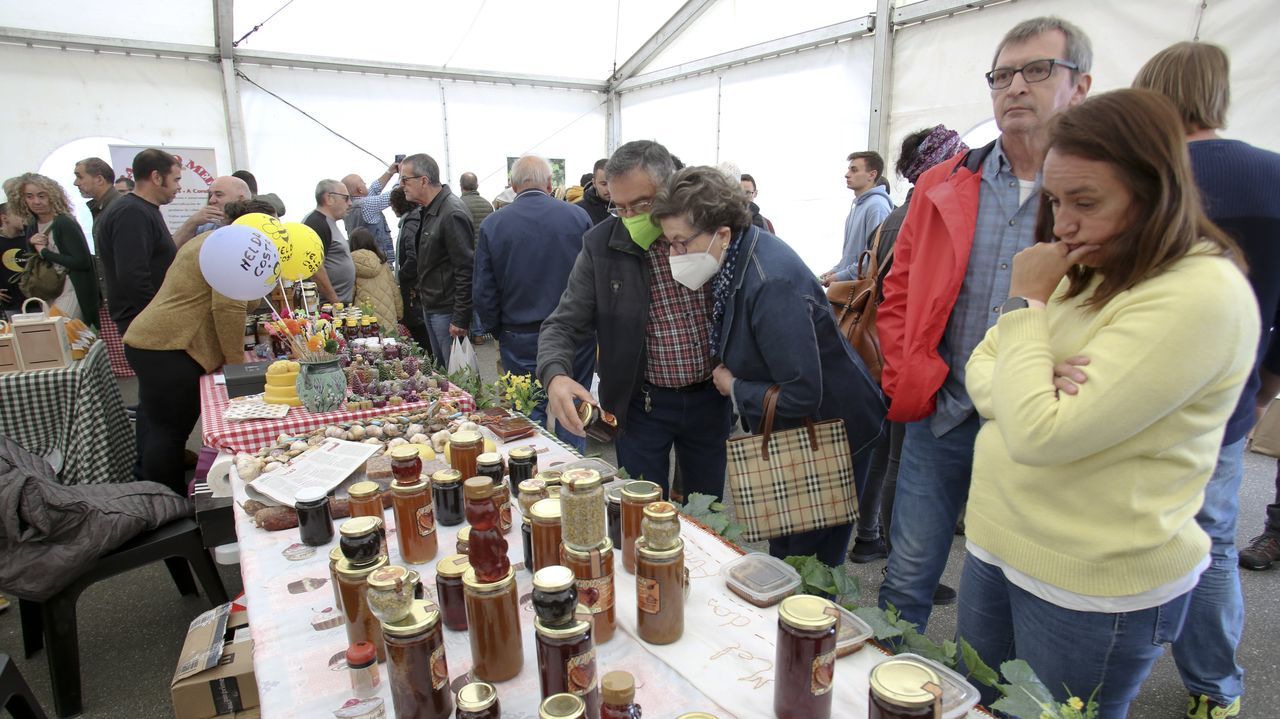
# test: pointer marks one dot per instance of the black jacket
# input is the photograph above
(597, 207)
(445, 254)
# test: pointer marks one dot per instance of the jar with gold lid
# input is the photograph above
(660, 587)
(462, 543)
(582, 507)
(567, 662)
(530, 492)
(365, 499)
(598, 423)
(636, 495)
(362, 539)
(522, 464)
(446, 490)
(453, 607)
(660, 526)
(390, 593)
(493, 618)
(562, 706)
(593, 573)
(545, 515)
(417, 666)
(464, 449)
(805, 658)
(415, 521)
(618, 696)
(478, 700)
(406, 464)
(489, 464)
(903, 689)
(353, 585)
(551, 477)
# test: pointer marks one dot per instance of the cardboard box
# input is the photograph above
(246, 379)
(215, 677)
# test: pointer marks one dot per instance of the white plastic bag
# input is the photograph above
(463, 356)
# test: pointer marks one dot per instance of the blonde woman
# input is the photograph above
(54, 234)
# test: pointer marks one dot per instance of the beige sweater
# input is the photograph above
(186, 314)
(376, 285)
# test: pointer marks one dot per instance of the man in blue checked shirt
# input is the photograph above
(367, 206)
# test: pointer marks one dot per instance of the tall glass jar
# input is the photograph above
(903, 689)
(478, 700)
(546, 532)
(531, 491)
(417, 667)
(806, 658)
(567, 662)
(493, 618)
(446, 489)
(453, 606)
(406, 464)
(613, 512)
(365, 499)
(583, 509)
(362, 625)
(464, 449)
(660, 526)
(415, 521)
(488, 548)
(522, 464)
(660, 593)
(635, 497)
(593, 571)
(335, 556)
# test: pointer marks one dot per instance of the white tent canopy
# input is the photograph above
(783, 90)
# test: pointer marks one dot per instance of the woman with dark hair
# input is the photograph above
(375, 285)
(771, 325)
(1106, 385)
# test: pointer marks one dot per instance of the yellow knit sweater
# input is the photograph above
(1097, 493)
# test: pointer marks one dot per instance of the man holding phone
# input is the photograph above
(368, 205)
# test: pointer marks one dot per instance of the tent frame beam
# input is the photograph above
(224, 31)
(881, 80)
(679, 21)
(927, 10)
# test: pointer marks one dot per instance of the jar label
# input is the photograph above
(648, 595)
(426, 520)
(440, 670)
(824, 668)
(580, 671)
(504, 516)
(596, 594)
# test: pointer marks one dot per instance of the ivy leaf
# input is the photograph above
(1018, 704)
(717, 506)
(697, 504)
(817, 575)
(846, 585)
(920, 644)
(978, 670)
(798, 562)
(733, 532)
(950, 649)
(879, 621)
(1021, 675)
(716, 521)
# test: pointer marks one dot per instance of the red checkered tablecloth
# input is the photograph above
(110, 336)
(251, 435)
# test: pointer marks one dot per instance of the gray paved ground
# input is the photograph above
(131, 627)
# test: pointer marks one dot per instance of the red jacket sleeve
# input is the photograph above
(891, 316)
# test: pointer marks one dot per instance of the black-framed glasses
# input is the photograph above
(406, 178)
(638, 208)
(339, 194)
(1034, 71)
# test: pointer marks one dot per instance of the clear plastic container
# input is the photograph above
(761, 579)
(852, 633)
(607, 471)
(958, 695)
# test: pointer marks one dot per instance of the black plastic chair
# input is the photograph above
(52, 623)
(15, 696)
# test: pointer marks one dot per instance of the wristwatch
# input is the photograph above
(1012, 304)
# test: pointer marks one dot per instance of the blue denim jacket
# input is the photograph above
(779, 329)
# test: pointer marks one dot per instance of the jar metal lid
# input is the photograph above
(906, 683)
(605, 548)
(359, 526)
(575, 628)
(697, 715)
(660, 510)
(454, 565)
(347, 569)
(418, 486)
(648, 553)
(554, 578)
(522, 453)
(389, 577)
(550, 476)
(464, 534)
(561, 706)
(805, 611)
(477, 488)
(422, 617)
(336, 554)
(580, 480)
(546, 510)
(310, 495)
(477, 696)
(465, 438)
(586, 413)
(404, 452)
(446, 476)
(470, 581)
(361, 490)
(641, 491)
(618, 687)
(532, 486)
(487, 458)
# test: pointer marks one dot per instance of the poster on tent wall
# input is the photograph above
(198, 170)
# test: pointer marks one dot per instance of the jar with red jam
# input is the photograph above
(488, 548)
(593, 572)
(903, 689)
(453, 606)
(415, 521)
(465, 448)
(493, 618)
(416, 664)
(635, 497)
(406, 464)
(545, 515)
(365, 499)
(805, 660)
(478, 700)
(567, 662)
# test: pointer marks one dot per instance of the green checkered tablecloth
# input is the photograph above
(77, 410)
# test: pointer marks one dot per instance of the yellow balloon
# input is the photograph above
(307, 253)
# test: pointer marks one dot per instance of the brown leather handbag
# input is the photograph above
(854, 303)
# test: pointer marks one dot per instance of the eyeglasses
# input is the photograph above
(638, 208)
(1034, 71)
(680, 247)
(339, 194)
(406, 178)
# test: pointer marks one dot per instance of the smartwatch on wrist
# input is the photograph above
(1012, 304)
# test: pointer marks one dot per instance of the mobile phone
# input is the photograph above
(399, 158)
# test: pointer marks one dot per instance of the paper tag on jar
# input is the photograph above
(648, 595)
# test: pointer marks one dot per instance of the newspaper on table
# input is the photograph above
(326, 466)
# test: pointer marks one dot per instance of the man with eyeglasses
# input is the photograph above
(749, 186)
(949, 281)
(336, 279)
(653, 332)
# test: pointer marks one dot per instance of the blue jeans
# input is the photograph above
(697, 423)
(1070, 651)
(519, 352)
(438, 332)
(933, 484)
(1206, 651)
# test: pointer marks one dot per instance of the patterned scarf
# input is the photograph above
(721, 289)
(939, 145)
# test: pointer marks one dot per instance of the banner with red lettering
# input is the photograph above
(198, 170)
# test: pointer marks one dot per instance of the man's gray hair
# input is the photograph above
(646, 155)
(324, 187)
(1079, 51)
(530, 171)
(423, 166)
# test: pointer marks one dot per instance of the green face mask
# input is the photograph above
(642, 231)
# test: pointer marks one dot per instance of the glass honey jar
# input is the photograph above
(406, 464)
(805, 659)
(903, 689)
(545, 514)
(416, 664)
(635, 497)
(365, 499)
(493, 620)
(660, 586)
(415, 521)
(593, 572)
(464, 449)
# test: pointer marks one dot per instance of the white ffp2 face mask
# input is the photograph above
(693, 271)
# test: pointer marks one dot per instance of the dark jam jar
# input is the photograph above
(567, 663)
(446, 490)
(555, 596)
(406, 465)
(522, 464)
(361, 541)
(493, 618)
(478, 700)
(618, 696)
(489, 464)
(903, 689)
(315, 524)
(488, 548)
(562, 706)
(805, 661)
(453, 604)
(613, 510)
(599, 424)
(416, 665)
(593, 574)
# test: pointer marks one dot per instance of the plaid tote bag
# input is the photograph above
(794, 480)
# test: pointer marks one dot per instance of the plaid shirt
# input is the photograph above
(677, 338)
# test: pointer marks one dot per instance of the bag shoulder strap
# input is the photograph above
(869, 262)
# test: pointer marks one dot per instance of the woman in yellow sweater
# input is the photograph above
(1106, 386)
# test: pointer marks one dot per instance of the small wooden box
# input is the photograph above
(41, 340)
(10, 361)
